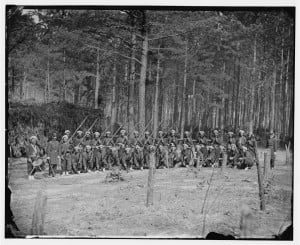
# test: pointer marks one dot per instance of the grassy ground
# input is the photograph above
(83, 205)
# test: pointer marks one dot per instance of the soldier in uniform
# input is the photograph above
(161, 156)
(87, 159)
(272, 147)
(138, 157)
(174, 156)
(187, 139)
(241, 142)
(173, 138)
(233, 155)
(126, 160)
(65, 151)
(95, 143)
(186, 155)
(122, 142)
(32, 153)
(216, 141)
(88, 139)
(108, 154)
(78, 139)
(231, 139)
(147, 142)
(160, 140)
(53, 153)
(77, 159)
(135, 139)
(251, 142)
(202, 141)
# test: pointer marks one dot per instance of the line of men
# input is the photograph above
(90, 152)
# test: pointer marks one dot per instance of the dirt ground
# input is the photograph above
(83, 205)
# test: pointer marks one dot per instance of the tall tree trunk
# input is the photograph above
(64, 76)
(184, 90)
(114, 95)
(273, 90)
(252, 89)
(23, 85)
(97, 85)
(155, 112)
(237, 95)
(48, 78)
(286, 94)
(131, 83)
(176, 101)
(142, 84)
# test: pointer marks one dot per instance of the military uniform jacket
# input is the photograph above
(147, 141)
(231, 140)
(202, 140)
(65, 149)
(77, 140)
(272, 145)
(135, 141)
(53, 151)
(188, 141)
(173, 139)
(122, 140)
(161, 141)
(216, 140)
(32, 151)
(108, 141)
(241, 142)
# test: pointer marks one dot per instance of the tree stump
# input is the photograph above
(150, 179)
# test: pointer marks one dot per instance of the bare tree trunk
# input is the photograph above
(286, 94)
(48, 78)
(142, 84)
(23, 85)
(184, 90)
(64, 77)
(273, 89)
(131, 84)
(114, 104)
(97, 85)
(252, 90)
(155, 112)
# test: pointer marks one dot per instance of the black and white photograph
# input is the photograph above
(149, 122)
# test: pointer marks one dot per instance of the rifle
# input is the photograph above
(102, 134)
(88, 130)
(116, 133)
(77, 128)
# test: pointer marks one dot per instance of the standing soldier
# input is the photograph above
(173, 138)
(217, 143)
(108, 143)
(53, 154)
(202, 141)
(147, 142)
(122, 142)
(77, 159)
(95, 143)
(32, 153)
(187, 139)
(87, 159)
(241, 141)
(78, 138)
(65, 151)
(231, 139)
(87, 140)
(272, 147)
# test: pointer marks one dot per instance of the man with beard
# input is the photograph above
(53, 155)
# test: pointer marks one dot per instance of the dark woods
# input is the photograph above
(186, 70)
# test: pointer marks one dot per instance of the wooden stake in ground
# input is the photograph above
(151, 178)
(266, 167)
(38, 218)
(260, 185)
(224, 161)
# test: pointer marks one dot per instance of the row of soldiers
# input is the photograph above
(94, 152)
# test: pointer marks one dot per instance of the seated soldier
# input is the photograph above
(174, 156)
(233, 155)
(126, 159)
(186, 156)
(138, 157)
(160, 140)
(211, 156)
(161, 157)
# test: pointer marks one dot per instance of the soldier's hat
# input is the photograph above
(147, 132)
(160, 131)
(185, 145)
(79, 132)
(97, 134)
(241, 131)
(135, 132)
(127, 149)
(201, 132)
(65, 137)
(230, 133)
(33, 137)
(172, 145)
(88, 147)
(107, 132)
(244, 148)
(173, 131)
(87, 133)
(216, 131)
(54, 135)
(67, 131)
(77, 147)
(123, 131)
(186, 132)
